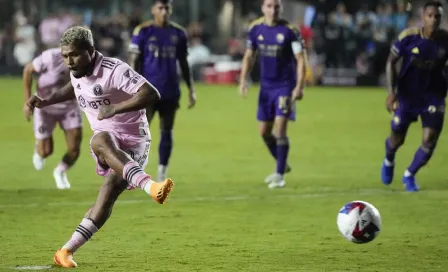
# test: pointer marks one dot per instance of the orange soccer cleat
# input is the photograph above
(63, 257)
(161, 190)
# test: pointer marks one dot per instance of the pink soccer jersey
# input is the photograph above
(111, 82)
(53, 75)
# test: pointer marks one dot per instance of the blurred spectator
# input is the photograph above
(25, 43)
(198, 56)
(401, 17)
(307, 35)
(341, 17)
(333, 41)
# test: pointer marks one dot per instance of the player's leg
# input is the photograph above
(400, 123)
(94, 219)
(43, 149)
(283, 114)
(282, 143)
(106, 148)
(432, 123)
(167, 113)
(71, 123)
(73, 139)
(43, 125)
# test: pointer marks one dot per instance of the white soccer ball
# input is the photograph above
(359, 222)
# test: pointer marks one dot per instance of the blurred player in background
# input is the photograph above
(114, 97)
(53, 75)
(417, 90)
(155, 49)
(282, 63)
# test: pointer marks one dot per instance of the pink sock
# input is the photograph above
(62, 167)
(82, 234)
(133, 173)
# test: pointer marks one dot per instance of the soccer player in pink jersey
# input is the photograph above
(113, 97)
(53, 74)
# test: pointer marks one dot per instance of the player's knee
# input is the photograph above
(397, 140)
(102, 143)
(45, 151)
(74, 151)
(429, 145)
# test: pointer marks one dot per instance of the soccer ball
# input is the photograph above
(359, 222)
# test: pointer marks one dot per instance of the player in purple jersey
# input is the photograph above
(113, 97)
(52, 75)
(156, 48)
(417, 90)
(282, 64)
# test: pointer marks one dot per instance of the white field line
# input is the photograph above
(271, 195)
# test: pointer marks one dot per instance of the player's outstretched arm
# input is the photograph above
(144, 97)
(27, 77)
(391, 75)
(245, 70)
(66, 93)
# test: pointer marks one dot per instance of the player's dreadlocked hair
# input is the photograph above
(78, 36)
(434, 4)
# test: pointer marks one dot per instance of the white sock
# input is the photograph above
(147, 186)
(388, 163)
(407, 173)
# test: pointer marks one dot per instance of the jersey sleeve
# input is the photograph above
(251, 42)
(137, 41)
(182, 45)
(399, 45)
(125, 79)
(41, 62)
(296, 40)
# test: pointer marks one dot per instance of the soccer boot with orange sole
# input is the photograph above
(161, 190)
(63, 257)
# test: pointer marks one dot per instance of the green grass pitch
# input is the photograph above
(221, 216)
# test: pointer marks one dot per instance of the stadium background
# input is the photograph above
(221, 216)
(348, 40)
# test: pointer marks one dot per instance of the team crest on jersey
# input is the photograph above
(174, 38)
(280, 38)
(153, 38)
(432, 109)
(260, 37)
(396, 120)
(97, 90)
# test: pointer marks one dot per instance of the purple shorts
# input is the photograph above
(45, 122)
(136, 146)
(275, 102)
(430, 110)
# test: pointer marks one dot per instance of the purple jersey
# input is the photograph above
(275, 45)
(159, 49)
(111, 82)
(53, 75)
(423, 72)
